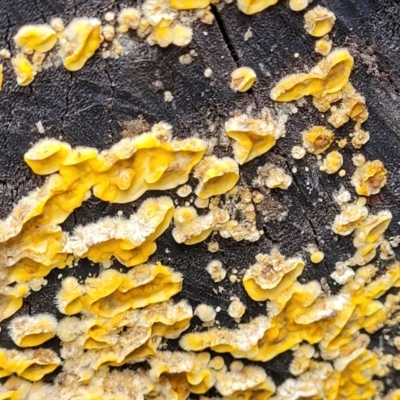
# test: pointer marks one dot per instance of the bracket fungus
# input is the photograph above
(271, 274)
(216, 176)
(369, 178)
(329, 76)
(79, 41)
(41, 38)
(319, 21)
(253, 137)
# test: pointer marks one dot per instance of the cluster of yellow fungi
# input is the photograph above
(121, 318)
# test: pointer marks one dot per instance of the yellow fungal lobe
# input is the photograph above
(250, 7)
(298, 5)
(323, 46)
(271, 274)
(205, 313)
(216, 176)
(236, 309)
(351, 216)
(79, 41)
(360, 137)
(316, 257)
(272, 177)
(216, 270)
(181, 35)
(29, 331)
(333, 162)
(159, 13)
(317, 139)
(161, 35)
(23, 69)
(253, 137)
(329, 76)
(319, 21)
(1, 76)
(41, 38)
(242, 79)
(370, 178)
(128, 18)
(189, 4)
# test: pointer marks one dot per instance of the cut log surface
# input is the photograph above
(89, 108)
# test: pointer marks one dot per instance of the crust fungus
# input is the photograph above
(272, 177)
(11, 299)
(271, 275)
(189, 4)
(242, 79)
(24, 70)
(298, 5)
(351, 216)
(317, 139)
(216, 176)
(79, 41)
(253, 137)
(332, 163)
(323, 46)
(30, 331)
(216, 270)
(32, 365)
(370, 178)
(236, 309)
(360, 137)
(329, 76)
(191, 228)
(128, 18)
(113, 292)
(41, 38)
(319, 21)
(250, 7)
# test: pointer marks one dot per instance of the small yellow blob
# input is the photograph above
(317, 139)
(79, 41)
(254, 6)
(161, 35)
(189, 4)
(319, 21)
(236, 309)
(41, 38)
(128, 18)
(298, 152)
(242, 79)
(369, 178)
(329, 76)
(323, 46)
(360, 137)
(216, 270)
(181, 35)
(23, 69)
(205, 313)
(317, 256)
(216, 176)
(333, 162)
(298, 5)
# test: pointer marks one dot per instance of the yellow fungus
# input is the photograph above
(23, 69)
(329, 76)
(108, 31)
(272, 177)
(161, 35)
(189, 4)
(333, 162)
(29, 331)
(57, 24)
(128, 18)
(250, 7)
(216, 176)
(370, 178)
(298, 5)
(159, 12)
(11, 299)
(41, 38)
(236, 309)
(253, 137)
(351, 216)
(205, 313)
(317, 257)
(1, 76)
(271, 274)
(317, 139)
(79, 41)
(216, 270)
(242, 79)
(323, 46)
(360, 137)
(181, 35)
(319, 21)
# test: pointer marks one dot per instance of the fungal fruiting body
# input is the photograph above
(319, 21)
(40, 38)
(250, 7)
(79, 41)
(253, 137)
(189, 4)
(317, 139)
(332, 163)
(323, 46)
(370, 178)
(242, 79)
(298, 5)
(30, 331)
(216, 176)
(329, 76)
(24, 70)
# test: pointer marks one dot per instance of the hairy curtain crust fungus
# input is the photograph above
(329, 76)
(298, 5)
(216, 176)
(24, 70)
(319, 21)
(253, 137)
(11, 299)
(250, 7)
(317, 139)
(370, 178)
(272, 273)
(79, 41)
(41, 38)
(30, 331)
(242, 79)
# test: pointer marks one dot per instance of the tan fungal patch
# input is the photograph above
(369, 178)
(319, 21)
(317, 139)
(242, 79)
